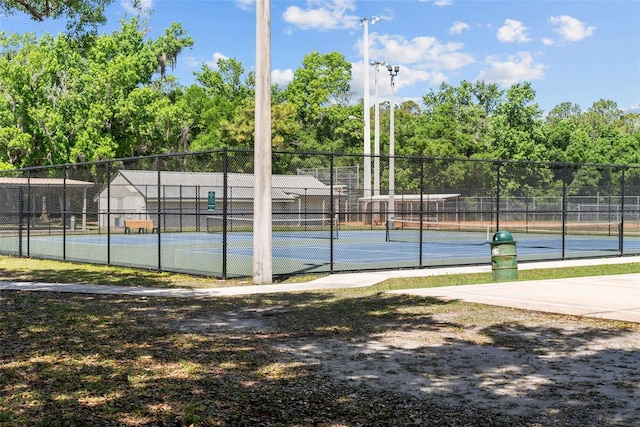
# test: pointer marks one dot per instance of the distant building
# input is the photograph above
(183, 199)
(40, 199)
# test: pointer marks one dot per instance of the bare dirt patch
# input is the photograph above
(344, 358)
(553, 370)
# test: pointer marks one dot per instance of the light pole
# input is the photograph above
(376, 127)
(367, 113)
(393, 72)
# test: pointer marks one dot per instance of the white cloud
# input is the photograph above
(191, 62)
(245, 4)
(570, 28)
(438, 2)
(213, 64)
(408, 76)
(634, 108)
(514, 69)
(281, 77)
(458, 27)
(512, 31)
(145, 6)
(422, 60)
(424, 51)
(322, 15)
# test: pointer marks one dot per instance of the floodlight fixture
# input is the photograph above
(393, 72)
(393, 68)
(370, 20)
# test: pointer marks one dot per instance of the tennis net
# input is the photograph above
(404, 230)
(321, 227)
(415, 231)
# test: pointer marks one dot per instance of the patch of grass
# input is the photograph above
(107, 360)
(39, 270)
(535, 274)
(50, 271)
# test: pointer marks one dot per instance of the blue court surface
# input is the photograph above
(368, 246)
(352, 250)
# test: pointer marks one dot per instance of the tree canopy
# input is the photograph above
(80, 15)
(115, 97)
(59, 104)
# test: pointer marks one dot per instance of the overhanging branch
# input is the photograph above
(31, 10)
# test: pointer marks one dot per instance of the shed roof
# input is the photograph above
(239, 185)
(43, 182)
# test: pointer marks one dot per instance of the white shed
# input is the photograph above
(182, 198)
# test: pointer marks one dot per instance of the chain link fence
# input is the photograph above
(193, 212)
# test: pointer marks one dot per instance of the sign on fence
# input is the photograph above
(211, 201)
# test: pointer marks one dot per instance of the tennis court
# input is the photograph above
(325, 217)
(310, 251)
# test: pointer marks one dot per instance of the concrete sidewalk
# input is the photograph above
(612, 297)
(607, 297)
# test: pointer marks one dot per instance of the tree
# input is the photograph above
(602, 114)
(516, 126)
(218, 96)
(238, 131)
(459, 118)
(38, 98)
(80, 14)
(227, 82)
(117, 65)
(322, 80)
(169, 46)
(517, 134)
(335, 132)
(558, 139)
(562, 112)
(60, 104)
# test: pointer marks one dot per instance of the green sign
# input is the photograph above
(211, 202)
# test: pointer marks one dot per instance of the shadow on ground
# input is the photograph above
(307, 359)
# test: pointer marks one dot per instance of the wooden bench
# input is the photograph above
(140, 224)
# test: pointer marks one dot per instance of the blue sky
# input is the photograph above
(578, 51)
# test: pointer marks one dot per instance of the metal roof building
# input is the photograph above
(180, 198)
(47, 197)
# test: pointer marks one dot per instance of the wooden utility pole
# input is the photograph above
(262, 207)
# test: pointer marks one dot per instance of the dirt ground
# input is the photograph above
(540, 381)
(556, 370)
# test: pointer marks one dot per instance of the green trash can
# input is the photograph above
(504, 266)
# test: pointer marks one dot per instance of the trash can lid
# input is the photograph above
(503, 236)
